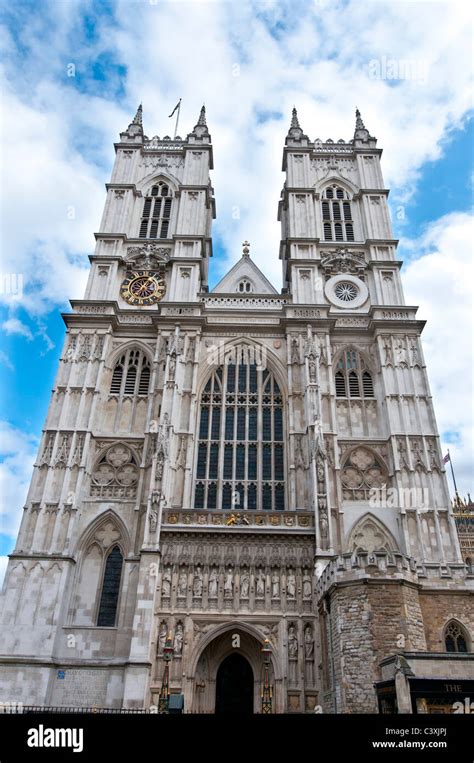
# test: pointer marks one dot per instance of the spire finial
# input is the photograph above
(202, 117)
(137, 119)
(294, 119)
(359, 122)
(245, 250)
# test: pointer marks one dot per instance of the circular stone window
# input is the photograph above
(346, 291)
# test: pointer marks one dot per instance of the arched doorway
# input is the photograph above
(234, 686)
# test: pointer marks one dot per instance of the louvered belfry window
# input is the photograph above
(240, 458)
(131, 374)
(352, 379)
(156, 212)
(337, 215)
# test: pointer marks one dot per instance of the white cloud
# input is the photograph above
(243, 60)
(440, 282)
(15, 326)
(5, 360)
(17, 453)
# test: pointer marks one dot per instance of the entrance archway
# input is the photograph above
(234, 686)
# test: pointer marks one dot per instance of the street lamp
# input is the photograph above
(164, 698)
(267, 691)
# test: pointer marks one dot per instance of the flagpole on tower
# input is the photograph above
(178, 109)
(452, 473)
(445, 460)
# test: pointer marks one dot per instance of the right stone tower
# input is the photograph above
(386, 510)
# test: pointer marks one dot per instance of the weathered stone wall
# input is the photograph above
(438, 607)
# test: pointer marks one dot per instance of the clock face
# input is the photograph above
(143, 288)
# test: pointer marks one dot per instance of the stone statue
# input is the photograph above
(229, 582)
(292, 643)
(307, 586)
(295, 351)
(291, 584)
(312, 369)
(197, 582)
(308, 642)
(162, 637)
(388, 352)
(213, 583)
(172, 367)
(244, 585)
(260, 583)
(178, 640)
(166, 582)
(276, 585)
(183, 584)
(401, 354)
(324, 525)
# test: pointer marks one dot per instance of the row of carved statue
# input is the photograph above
(227, 581)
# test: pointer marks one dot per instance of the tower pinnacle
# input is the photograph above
(137, 119)
(202, 118)
(361, 132)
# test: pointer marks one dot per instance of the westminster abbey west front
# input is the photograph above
(239, 502)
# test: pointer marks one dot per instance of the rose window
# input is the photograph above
(346, 291)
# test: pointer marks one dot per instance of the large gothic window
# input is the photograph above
(110, 589)
(336, 211)
(455, 637)
(352, 379)
(156, 212)
(240, 462)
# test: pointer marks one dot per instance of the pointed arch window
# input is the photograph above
(337, 215)
(240, 452)
(244, 286)
(156, 212)
(131, 374)
(455, 637)
(352, 379)
(109, 596)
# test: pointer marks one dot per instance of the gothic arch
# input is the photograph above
(332, 179)
(87, 539)
(206, 370)
(232, 627)
(134, 344)
(365, 356)
(458, 630)
(371, 532)
(144, 185)
(91, 553)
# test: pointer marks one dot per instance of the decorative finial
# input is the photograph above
(294, 119)
(359, 123)
(202, 117)
(245, 250)
(137, 120)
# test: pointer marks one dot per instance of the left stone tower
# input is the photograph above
(77, 603)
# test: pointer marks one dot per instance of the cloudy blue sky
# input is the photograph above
(404, 64)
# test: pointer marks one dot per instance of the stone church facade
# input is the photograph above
(227, 470)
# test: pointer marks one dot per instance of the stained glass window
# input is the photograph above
(110, 589)
(240, 461)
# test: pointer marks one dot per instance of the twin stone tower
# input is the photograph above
(230, 470)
